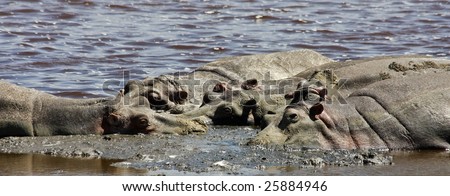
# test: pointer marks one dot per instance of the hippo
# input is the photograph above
(236, 107)
(225, 105)
(342, 78)
(410, 112)
(179, 93)
(352, 75)
(258, 104)
(28, 112)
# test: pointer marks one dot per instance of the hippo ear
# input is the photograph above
(289, 95)
(315, 110)
(302, 83)
(250, 103)
(179, 96)
(148, 81)
(221, 87)
(212, 98)
(133, 86)
(182, 95)
(119, 97)
(322, 93)
(206, 99)
(251, 84)
(296, 96)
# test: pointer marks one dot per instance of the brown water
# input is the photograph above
(81, 48)
(35, 164)
(428, 163)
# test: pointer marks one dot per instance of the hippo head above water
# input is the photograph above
(300, 124)
(29, 112)
(243, 104)
(163, 93)
(230, 107)
(304, 114)
(248, 104)
(135, 116)
(399, 113)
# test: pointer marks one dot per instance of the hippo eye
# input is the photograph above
(156, 99)
(155, 96)
(143, 122)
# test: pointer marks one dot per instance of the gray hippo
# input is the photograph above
(257, 102)
(398, 113)
(246, 105)
(236, 107)
(166, 92)
(28, 112)
(352, 75)
(342, 78)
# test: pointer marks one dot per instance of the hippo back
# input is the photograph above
(356, 74)
(415, 108)
(280, 64)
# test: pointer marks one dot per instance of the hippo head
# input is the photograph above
(301, 120)
(163, 93)
(225, 107)
(308, 92)
(299, 124)
(135, 116)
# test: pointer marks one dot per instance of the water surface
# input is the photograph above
(71, 47)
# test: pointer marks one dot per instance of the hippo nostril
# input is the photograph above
(293, 116)
(228, 110)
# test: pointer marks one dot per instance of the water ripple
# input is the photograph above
(102, 39)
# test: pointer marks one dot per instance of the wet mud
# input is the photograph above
(223, 151)
(417, 66)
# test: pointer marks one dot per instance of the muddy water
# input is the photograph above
(428, 163)
(35, 164)
(82, 48)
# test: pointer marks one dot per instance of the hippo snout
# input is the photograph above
(198, 127)
(173, 124)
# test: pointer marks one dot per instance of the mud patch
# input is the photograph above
(223, 151)
(385, 75)
(416, 66)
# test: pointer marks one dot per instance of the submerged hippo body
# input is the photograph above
(167, 92)
(28, 112)
(398, 113)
